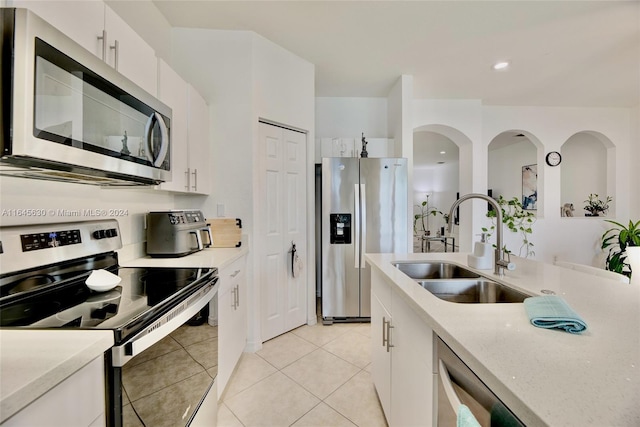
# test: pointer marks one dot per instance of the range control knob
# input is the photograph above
(99, 234)
(112, 232)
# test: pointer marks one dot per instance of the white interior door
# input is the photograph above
(283, 222)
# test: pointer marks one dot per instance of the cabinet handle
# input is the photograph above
(195, 179)
(233, 303)
(103, 38)
(187, 175)
(116, 50)
(237, 296)
(386, 333)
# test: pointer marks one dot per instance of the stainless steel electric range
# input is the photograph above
(164, 360)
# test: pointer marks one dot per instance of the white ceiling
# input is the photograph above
(563, 53)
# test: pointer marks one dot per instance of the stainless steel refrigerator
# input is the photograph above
(364, 209)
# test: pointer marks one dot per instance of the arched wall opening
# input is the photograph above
(442, 168)
(588, 167)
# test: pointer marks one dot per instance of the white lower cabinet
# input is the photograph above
(380, 354)
(232, 319)
(77, 401)
(402, 358)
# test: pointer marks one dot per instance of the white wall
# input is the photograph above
(224, 77)
(245, 77)
(571, 239)
(634, 210)
(56, 197)
(350, 117)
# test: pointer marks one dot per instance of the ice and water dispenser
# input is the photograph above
(340, 228)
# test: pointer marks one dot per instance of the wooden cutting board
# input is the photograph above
(225, 232)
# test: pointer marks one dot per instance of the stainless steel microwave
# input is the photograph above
(68, 116)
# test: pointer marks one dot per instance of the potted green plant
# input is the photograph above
(618, 239)
(595, 206)
(424, 211)
(517, 220)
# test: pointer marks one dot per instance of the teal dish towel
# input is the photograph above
(551, 311)
(465, 417)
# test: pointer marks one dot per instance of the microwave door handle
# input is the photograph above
(164, 138)
(148, 129)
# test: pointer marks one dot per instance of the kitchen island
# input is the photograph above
(546, 377)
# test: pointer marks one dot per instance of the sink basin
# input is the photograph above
(434, 270)
(473, 291)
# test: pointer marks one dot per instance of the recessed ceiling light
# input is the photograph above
(501, 65)
(443, 152)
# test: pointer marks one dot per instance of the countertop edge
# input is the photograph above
(33, 389)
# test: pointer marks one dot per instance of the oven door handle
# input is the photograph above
(139, 343)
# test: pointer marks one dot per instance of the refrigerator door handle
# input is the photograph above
(356, 210)
(363, 224)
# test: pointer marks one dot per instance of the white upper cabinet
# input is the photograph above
(87, 23)
(129, 53)
(352, 147)
(172, 90)
(82, 21)
(189, 133)
(199, 144)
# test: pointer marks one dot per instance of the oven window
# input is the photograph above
(164, 385)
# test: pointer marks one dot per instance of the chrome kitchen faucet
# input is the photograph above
(500, 262)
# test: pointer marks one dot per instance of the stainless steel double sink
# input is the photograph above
(453, 283)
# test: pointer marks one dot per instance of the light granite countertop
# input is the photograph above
(212, 257)
(546, 377)
(32, 362)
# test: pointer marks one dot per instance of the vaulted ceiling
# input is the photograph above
(562, 53)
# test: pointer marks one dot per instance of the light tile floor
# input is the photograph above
(312, 376)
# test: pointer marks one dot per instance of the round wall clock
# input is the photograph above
(554, 158)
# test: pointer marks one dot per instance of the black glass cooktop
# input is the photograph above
(57, 297)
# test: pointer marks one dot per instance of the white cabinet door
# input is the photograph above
(129, 53)
(380, 354)
(352, 147)
(82, 21)
(172, 90)
(232, 320)
(401, 358)
(282, 197)
(85, 21)
(411, 367)
(77, 401)
(199, 144)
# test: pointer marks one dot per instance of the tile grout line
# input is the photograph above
(316, 347)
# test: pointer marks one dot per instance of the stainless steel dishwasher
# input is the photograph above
(457, 384)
